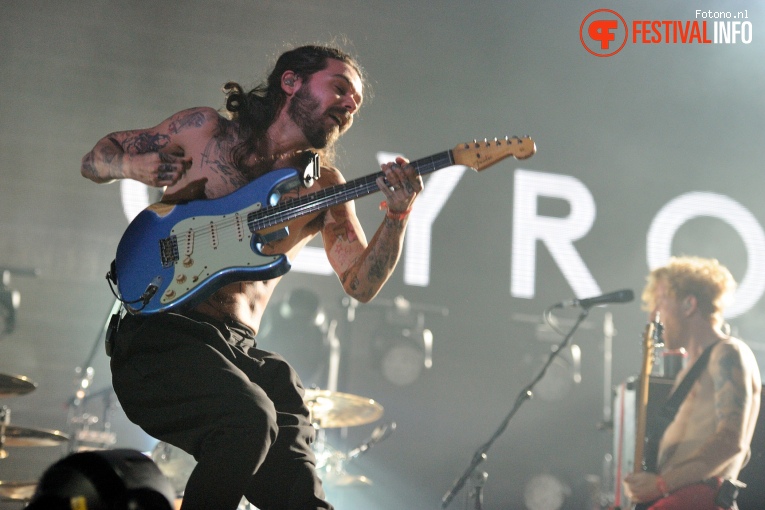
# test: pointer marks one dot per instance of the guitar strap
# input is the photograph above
(661, 420)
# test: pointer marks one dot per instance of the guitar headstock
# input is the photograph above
(482, 154)
(658, 331)
(651, 340)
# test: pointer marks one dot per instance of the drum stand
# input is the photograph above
(81, 436)
(476, 492)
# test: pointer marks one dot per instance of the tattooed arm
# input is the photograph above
(153, 156)
(736, 381)
(364, 268)
(712, 432)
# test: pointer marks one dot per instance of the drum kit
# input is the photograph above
(13, 436)
(328, 410)
(338, 410)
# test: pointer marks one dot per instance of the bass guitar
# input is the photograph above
(645, 458)
(173, 256)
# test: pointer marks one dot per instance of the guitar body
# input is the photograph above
(175, 256)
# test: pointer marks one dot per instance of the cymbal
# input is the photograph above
(330, 409)
(19, 436)
(11, 385)
(17, 491)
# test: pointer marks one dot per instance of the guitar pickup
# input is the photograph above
(168, 251)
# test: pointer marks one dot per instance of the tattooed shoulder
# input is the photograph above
(727, 361)
(191, 118)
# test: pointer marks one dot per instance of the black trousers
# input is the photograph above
(201, 385)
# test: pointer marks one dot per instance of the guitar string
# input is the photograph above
(271, 216)
(259, 220)
(291, 209)
(322, 199)
(423, 166)
(430, 164)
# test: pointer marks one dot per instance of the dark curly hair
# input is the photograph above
(256, 109)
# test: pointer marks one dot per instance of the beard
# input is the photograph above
(304, 112)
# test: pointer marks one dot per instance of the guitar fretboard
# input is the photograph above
(337, 194)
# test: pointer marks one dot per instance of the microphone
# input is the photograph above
(619, 296)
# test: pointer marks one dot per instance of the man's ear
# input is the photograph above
(290, 82)
(689, 304)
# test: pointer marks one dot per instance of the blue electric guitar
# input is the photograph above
(173, 256)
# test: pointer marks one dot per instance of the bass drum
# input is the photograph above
(177, 466)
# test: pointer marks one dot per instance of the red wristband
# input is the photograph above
(398, 216)
(662, 486)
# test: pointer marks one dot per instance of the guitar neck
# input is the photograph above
(641, 422)
(337, 194)
(651, 339)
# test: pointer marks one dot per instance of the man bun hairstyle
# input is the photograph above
(255, 110)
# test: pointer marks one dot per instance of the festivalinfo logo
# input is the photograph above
(604, 32)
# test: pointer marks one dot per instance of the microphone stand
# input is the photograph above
(525, 394)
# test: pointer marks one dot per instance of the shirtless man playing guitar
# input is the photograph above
(708, 440)
(194, 378)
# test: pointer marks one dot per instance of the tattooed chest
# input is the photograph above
(215, 164)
